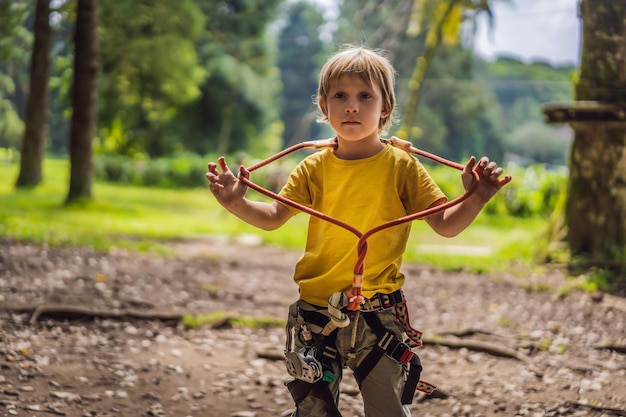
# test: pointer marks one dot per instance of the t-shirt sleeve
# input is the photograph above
(296, 188)
(420, 190)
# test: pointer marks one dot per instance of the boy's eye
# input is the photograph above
(340, 95)
(365, 95)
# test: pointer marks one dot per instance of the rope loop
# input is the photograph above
(355, 296)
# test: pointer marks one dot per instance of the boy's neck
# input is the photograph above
(351, 150)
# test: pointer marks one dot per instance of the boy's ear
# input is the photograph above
(322, 105)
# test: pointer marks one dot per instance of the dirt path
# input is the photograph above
(130, 367)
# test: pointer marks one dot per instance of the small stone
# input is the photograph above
(243, 414)
(67, 396)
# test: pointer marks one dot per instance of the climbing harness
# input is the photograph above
(311, 365)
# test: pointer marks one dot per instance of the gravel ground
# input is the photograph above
(84, 333)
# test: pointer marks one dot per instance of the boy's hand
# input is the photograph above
(489, 181)
(226, 187)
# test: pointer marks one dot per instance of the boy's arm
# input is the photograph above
(230, 193)
(455, 219)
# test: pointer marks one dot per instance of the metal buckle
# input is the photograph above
(405, 356)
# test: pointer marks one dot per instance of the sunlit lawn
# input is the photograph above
(141, 218)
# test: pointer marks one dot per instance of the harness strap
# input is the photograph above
(402, 314)
(318, 319)
(412, 380)
(393, 347)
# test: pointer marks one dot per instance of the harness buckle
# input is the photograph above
(402, 353)
(385, 302)
(395, 348)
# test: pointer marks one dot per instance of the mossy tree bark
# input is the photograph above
(83, 127)
(36, 116)
(596, 205)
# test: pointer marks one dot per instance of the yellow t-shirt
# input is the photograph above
(363, 193)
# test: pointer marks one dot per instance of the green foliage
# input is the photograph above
(204, 76)
(460, 104)
(238, 103)
(15, 43)
(183, 171)
(591, 281)
(149, 70)
(299, 59)
(14, 36)
(536, 142)
(533, 192)
(521, 88)
(11, 126)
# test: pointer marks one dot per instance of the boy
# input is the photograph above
(363, 182)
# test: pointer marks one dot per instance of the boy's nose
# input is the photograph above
(352, 108)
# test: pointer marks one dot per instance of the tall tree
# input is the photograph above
(83, 125)
(150, 71)
(596, 207)
(442, 22)
(239, 97)
(595, 211)
(36, 116)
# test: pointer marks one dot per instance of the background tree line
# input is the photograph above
(204, 76)
(147, 79)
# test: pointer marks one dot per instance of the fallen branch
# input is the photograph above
(484, 347)
(467, 333)
(478, 346)
(612, 346)
(609, 410)
(69, 312)
(272, 355)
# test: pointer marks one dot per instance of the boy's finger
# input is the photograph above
(223, 166)
(507, 179)
(244, 172)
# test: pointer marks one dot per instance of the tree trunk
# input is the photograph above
(36, 116)
(84, 115)
(596, 206)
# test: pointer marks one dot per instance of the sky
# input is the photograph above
(546, 30)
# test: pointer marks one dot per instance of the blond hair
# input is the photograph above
(372, 66)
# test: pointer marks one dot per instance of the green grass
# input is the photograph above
(141, 219)
(226, 318)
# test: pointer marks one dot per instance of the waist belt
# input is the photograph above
(380, 301)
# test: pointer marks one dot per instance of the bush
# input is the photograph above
(534, 190)
(184, 171)
(114, 168)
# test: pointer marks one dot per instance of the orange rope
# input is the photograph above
(355, 294)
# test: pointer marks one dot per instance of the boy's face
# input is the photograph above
(354, 108)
